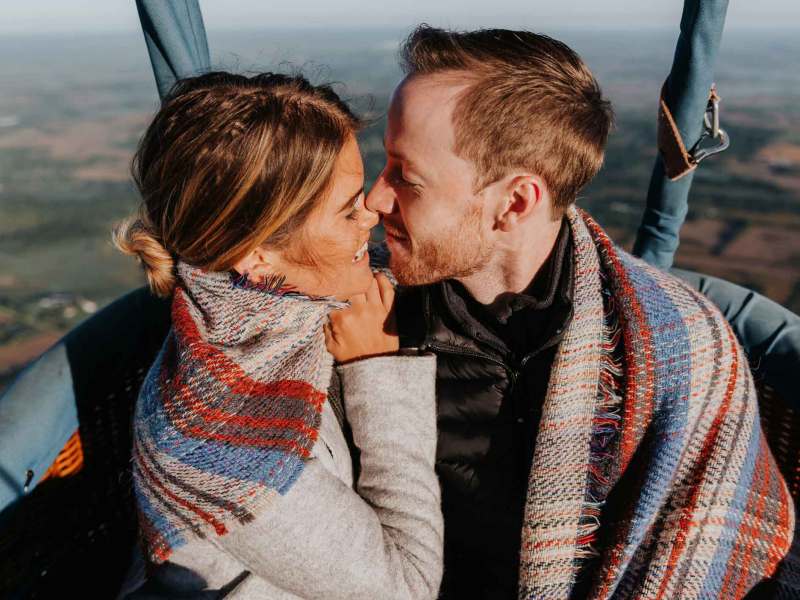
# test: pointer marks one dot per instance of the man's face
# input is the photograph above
(436, 227)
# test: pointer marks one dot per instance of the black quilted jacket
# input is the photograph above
(493, 367)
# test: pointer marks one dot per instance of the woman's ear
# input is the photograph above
(258, 264)
(524, 195)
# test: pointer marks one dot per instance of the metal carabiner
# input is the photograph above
(28, 480)
(711, 131)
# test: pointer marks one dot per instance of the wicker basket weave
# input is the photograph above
(72, 536)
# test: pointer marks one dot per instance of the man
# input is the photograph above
(598, 425)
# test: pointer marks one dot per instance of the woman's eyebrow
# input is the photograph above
(351, 200)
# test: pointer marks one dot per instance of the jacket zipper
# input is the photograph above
(513, 374)
(446, 348)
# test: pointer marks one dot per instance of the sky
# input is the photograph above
(77, 16)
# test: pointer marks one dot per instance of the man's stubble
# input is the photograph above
(458, 251)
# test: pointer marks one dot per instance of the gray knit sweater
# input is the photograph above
(379, 537)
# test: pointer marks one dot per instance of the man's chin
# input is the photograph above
(408, 272)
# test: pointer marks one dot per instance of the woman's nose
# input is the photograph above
(370, 219)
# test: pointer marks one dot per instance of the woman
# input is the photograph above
(253, 219)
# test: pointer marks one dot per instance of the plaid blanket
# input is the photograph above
(230, 410)
(684, 499)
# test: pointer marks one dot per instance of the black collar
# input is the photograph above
(513, 325)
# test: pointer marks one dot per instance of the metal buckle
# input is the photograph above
(712, 131)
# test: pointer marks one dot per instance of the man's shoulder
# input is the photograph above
(689, 338)
(660, 293)
(683, 341)
(650, 295)
(642, 275)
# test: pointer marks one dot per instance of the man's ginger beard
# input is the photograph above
(457, 251)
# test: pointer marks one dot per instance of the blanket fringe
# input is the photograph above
(605, 430)
(269, 284)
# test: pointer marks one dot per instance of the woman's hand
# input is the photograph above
(366, 328)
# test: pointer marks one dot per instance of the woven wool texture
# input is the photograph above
(230, 409)
(700, 509)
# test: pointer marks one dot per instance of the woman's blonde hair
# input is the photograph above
(230, 163)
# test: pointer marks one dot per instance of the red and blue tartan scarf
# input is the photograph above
(230, 409)
(651, 476)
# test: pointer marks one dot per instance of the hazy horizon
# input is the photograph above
(54, 16)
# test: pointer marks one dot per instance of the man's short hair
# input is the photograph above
(531, 104)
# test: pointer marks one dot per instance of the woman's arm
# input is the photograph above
(383, 540)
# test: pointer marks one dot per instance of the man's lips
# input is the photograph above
(395, 234)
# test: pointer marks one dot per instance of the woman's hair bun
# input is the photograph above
(133, 237)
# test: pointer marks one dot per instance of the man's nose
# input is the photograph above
(381, 198)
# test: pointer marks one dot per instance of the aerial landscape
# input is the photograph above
(73, 108)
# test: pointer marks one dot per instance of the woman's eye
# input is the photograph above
(357, 206)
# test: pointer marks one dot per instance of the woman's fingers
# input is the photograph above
(358, 299)
(373, 293)
(386, 290)
(364, 328)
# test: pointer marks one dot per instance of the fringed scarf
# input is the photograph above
(231, 408)
(651, 477)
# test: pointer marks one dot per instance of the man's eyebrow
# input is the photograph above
(349, 204)
(401, 157)
(389, 152)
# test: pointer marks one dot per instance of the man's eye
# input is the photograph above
(397, 179)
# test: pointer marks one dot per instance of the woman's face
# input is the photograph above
(335, 236)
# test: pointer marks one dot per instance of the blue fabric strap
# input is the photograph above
(37, 417)
(686, 95)
(175, 38)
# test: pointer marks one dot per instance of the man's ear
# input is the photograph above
(524, 195)
(258, 264)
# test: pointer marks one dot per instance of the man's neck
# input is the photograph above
(513, 265)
